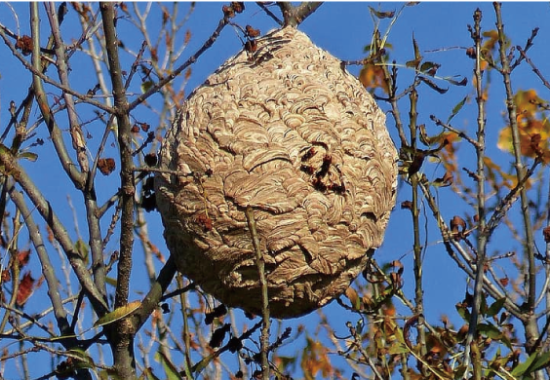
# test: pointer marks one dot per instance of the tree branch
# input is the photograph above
(260, 263)
(161, 83)
(295, 15)
(37, 72)
(55, 133)
(47, 268)
(531, 329)
(123, 335)
(482, 237)
(154, 296)
(11, 167)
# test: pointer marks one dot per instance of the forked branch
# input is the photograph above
(295, 15)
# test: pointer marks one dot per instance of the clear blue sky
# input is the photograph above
(343, 29)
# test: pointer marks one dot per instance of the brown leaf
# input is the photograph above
(165, 16)
(351, 294)
(396, 264)
(458, 225)
(50, 234)
(397, 281)
(373, 76)
(407, 328)
(6, 275)
(24, 44)
(238, 6)
(144, 127)
(26, 288)
(106, 165)
(382, 14)
(40, 281)
(251, 46)
(228, 12)
(154, 55)
(446, 180)
(23, 257)
(251, 32)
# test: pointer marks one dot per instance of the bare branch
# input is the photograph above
(55, 133)
(60, 233)
(520, 173)
(533, 67)
(223, 22)
(123, 351)
(295, 15)
(269, 13)
(79, 144)
(260, 263)
(37, 72)
(154, 296)
(47, 268)
(482, 237)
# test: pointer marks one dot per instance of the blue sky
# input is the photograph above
(343, 29)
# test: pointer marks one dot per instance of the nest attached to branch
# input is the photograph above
(286, 131)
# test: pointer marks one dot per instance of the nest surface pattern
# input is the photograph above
(286, 131)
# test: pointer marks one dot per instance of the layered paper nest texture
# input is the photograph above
(286, 131)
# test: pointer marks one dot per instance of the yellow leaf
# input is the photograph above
(351, 294)
(505, 140)
(372, 76)
(118, 314)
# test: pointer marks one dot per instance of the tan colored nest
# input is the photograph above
(287, 131)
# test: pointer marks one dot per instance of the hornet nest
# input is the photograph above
(286, 131)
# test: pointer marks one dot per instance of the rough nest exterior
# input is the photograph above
(285, 130)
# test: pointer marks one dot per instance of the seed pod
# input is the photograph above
(250, 126)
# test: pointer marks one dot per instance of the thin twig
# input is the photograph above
(417, 243)
(269, 13)
(55, 133)
(60, 233)
(535, 69)
(155, 294)
(528, 45)
(47, 267)
(460, 134)
(161, 83)
(520, 170)
(260, 262)
(177, 292)
(481, 211)
(46, 78)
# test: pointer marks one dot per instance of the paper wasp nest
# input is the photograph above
(286, 131)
